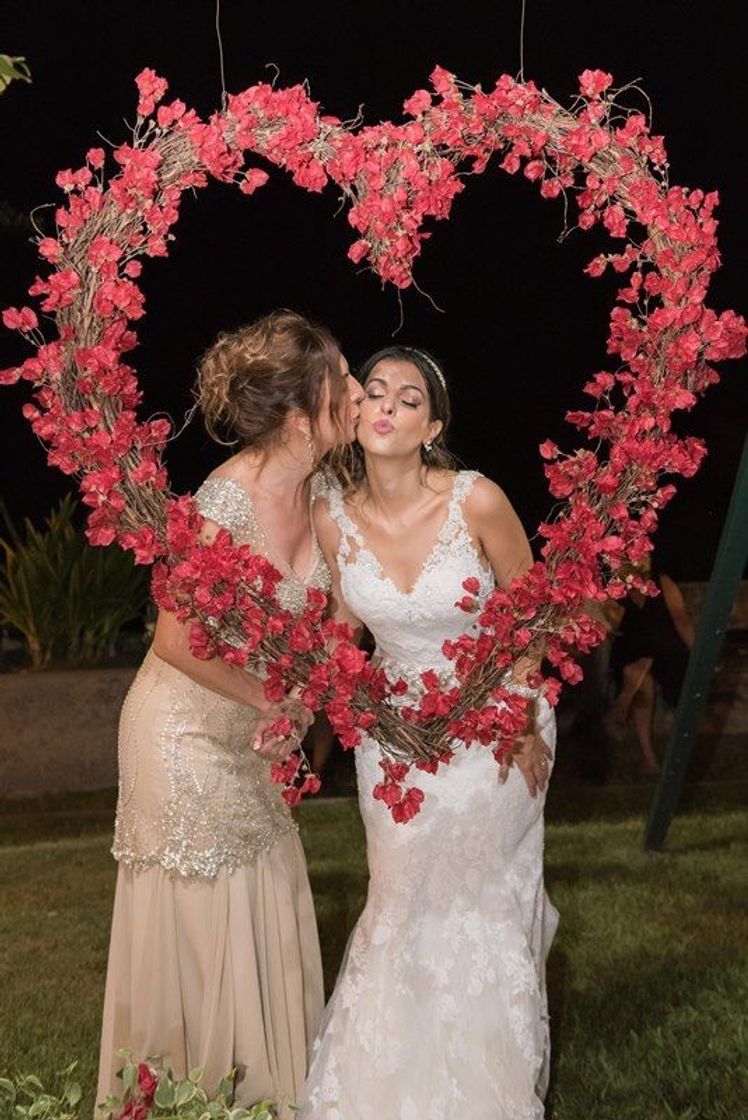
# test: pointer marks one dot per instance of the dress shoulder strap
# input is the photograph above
(322, 482)
(350, 535)
(454, 524)
(227, 503)
(463, 485)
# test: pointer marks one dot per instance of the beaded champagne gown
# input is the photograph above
(214, 958)
(439, 1012)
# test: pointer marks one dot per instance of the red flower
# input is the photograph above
(147, 1081)
(417, 103)
(151, 89)
(408, 806)
(50, 249)
(253, 179)
(349, 658)
(594, 82)
(20, 320)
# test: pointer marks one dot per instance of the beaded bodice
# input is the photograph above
(193, 796)
(227, 503)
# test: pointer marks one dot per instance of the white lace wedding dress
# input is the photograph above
(439, 1011)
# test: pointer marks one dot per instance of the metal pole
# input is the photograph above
(729, 564)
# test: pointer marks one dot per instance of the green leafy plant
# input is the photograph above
(67, 599)
(25, 1098)
(152, 1093)
(13, 69)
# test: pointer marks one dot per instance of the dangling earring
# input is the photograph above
(427, 445)
(311, 451)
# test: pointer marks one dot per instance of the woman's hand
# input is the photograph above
(268, 743)
(532, 757)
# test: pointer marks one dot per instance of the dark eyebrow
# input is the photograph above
(402, 387)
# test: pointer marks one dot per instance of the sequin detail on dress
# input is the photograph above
(194, 798)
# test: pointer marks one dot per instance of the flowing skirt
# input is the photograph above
(216, 973)
(439, 1012)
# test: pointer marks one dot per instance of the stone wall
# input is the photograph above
(58, 730)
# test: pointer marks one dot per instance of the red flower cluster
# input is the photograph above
(138, 1101)
(663, 343)
(402, 803)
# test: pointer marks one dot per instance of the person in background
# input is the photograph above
(583, 710)
(650, 650)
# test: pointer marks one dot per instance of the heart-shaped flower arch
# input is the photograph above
(662, 343)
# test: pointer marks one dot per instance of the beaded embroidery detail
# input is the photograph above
(194, 798)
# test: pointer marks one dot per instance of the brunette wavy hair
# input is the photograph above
(251, 378)
(350, 469)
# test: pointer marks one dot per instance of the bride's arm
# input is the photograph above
(503, 540)
(492, 520)
(499, 532)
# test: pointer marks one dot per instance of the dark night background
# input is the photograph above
(521, 327)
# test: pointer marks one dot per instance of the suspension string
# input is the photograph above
(522, 41)
(224, 96)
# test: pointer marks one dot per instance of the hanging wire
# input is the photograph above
(224, 96)
(522, 41)
(190, 413)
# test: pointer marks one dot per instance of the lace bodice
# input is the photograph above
(193, 796)
(409, 628)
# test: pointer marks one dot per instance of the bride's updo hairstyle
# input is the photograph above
(436, 389)
(251, 378)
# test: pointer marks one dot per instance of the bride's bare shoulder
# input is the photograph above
(486, 500)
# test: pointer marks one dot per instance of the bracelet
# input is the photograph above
(522, 690)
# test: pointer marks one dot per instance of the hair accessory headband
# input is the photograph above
(430, 363)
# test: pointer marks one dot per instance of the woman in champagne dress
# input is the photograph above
(439, 1012)
(214, 958)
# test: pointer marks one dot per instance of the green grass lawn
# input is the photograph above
(648, 977)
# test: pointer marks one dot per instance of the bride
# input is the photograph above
(440, 1008)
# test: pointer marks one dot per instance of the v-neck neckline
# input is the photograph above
(286, 568)
(363, 546)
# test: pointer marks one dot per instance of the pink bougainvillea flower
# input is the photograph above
(252, 180)
(593, 83)
(151, 89)
(417, 103)
(23, 319)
